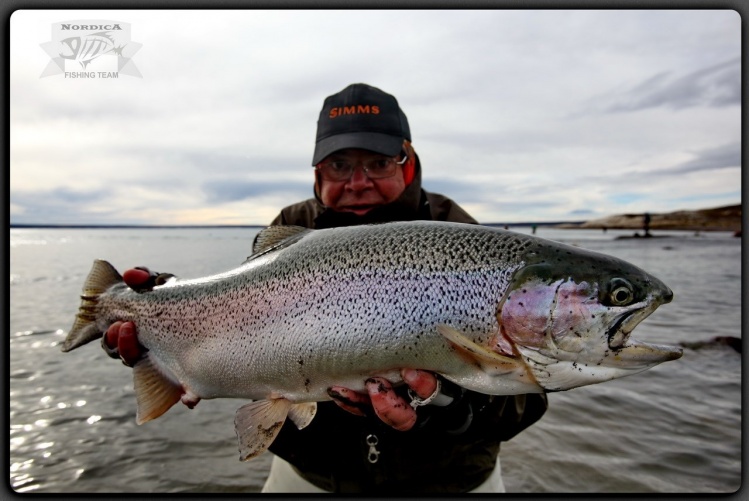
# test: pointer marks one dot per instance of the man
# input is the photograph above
(429, 436)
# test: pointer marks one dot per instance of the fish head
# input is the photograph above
(570, 315)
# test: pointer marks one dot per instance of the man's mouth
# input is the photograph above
(359, 210)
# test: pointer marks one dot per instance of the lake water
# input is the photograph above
(673, 429)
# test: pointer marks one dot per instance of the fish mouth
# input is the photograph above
(619, 333)
(625, 347)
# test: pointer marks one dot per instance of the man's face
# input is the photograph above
(359, 194)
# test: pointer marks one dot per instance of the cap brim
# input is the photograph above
(385, 144)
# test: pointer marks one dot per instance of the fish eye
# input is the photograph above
(621, 292)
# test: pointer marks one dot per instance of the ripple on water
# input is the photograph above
(38, 333)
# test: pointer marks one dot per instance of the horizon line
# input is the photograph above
(205, 226)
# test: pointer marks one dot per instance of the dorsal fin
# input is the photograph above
(273, 236)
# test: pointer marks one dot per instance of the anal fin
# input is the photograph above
(155, 389)
(303, 413)
(257, 425)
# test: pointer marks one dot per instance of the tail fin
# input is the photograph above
(101, 277)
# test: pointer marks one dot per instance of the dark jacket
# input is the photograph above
(451, 449)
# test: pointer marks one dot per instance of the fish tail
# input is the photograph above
(101, 277)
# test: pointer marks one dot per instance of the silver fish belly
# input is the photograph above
(493, 311)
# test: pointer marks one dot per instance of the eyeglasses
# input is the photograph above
(374, 168)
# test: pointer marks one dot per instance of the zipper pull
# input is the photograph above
(374, 455)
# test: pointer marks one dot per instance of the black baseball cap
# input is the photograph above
(360, 116)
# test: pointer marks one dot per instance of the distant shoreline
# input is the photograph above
(134, 226)
(218, 226)
(572, 225)
(728, 218)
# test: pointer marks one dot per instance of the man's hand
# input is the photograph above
(120, 340)
(390, 407)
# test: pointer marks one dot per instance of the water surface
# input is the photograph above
(673, 429)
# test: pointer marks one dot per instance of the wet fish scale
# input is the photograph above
(359, 304)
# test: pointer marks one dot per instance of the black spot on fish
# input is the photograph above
(269, 432)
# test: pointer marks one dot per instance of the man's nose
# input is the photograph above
(358, 178)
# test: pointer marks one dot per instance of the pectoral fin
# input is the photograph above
(155, 389)
(489, 361)
(257, 425)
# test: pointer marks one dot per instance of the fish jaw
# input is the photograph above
(633, 354)
(569, 336)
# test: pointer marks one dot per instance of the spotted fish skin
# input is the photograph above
(340, 303)
(311, 309)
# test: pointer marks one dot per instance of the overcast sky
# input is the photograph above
(516, 115)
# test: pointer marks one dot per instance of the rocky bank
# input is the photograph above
(717, 219)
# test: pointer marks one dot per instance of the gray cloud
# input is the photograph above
(507, 141)
(229, 190)
(514, 210)
(62, 206)
(217, 163)
(510, 204)
(713, 86)
(217, 127)
(457, 190)
(230, 178)
(722, 157)
(582, 212)
(628, 183)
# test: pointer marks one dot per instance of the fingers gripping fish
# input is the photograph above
(491, 310)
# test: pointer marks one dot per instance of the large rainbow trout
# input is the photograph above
(491, 310)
